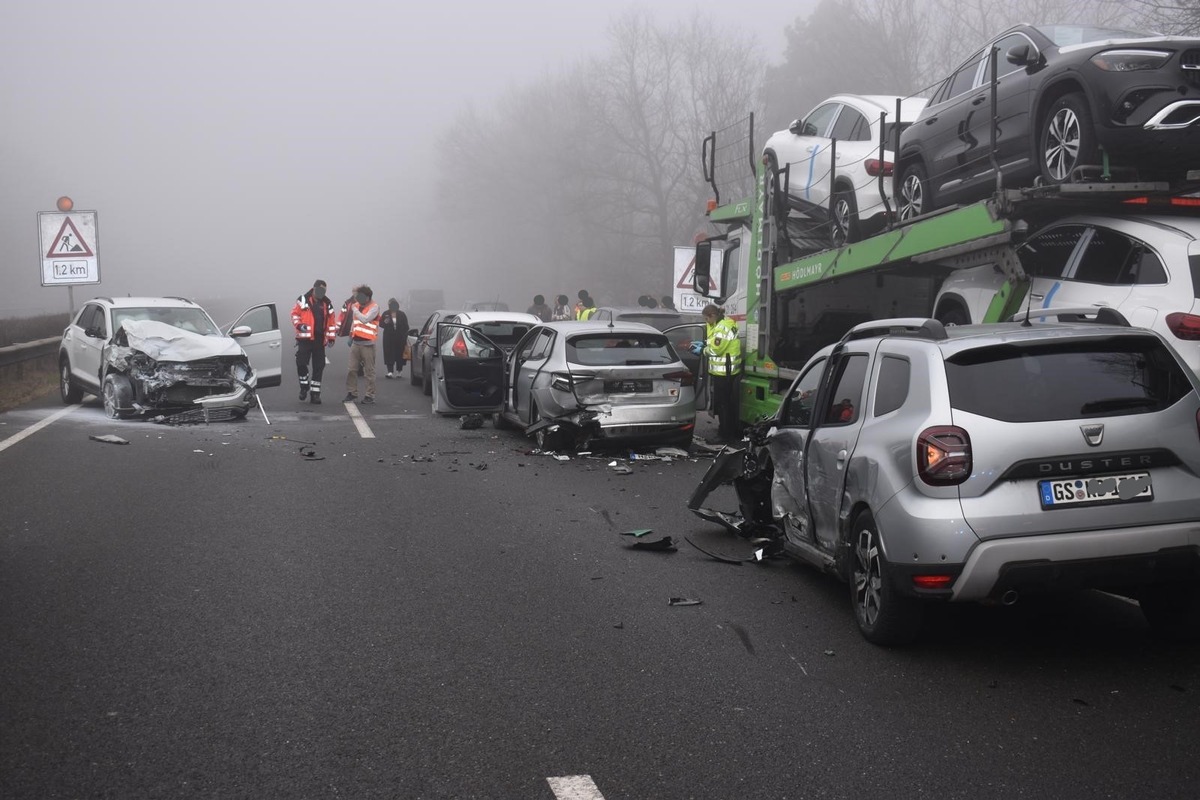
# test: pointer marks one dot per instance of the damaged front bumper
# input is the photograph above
(210, 385)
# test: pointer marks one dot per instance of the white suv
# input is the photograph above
(1145, 267)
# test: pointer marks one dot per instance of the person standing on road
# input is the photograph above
(580, 306)
(393, 329)
(316, 325)
(364, 331)
(539, 308)
(589, 308)
(562, 309)
(724, 352)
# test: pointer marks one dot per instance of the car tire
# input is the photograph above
(843, 217)
(1066, 138)
(71, 393)
(884, 616)
(1173, 610)
(426, 381)
(914, 194)
(117, 394)
(953, 314)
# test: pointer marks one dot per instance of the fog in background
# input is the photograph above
(240, 150)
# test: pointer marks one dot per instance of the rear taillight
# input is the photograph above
(876, 167)
(932, 581)
(944, 455)
(1184, 326)
(683, 376)
(566, 381)
(459, 348)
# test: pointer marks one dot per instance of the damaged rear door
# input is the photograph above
(257, 331)
(681, 338)
(468, 371)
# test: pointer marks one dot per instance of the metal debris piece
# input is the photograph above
(637, 532)
(469, 422)
(683, 601)
(664, 545)
(620, 469)
(309, 454)
(716, 556)
(108, 438)
(481, 466)
(671, 452)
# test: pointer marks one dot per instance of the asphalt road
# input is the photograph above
(433, 613)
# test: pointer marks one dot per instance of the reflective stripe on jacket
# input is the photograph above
(587, 313)
(723, 348)
(366, 322)
(302, 314)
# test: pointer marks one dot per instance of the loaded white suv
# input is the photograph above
(1145, 267)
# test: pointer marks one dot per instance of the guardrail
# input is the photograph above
(19, 360)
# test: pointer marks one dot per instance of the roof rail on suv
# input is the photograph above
(1102, 315)
(917, 327)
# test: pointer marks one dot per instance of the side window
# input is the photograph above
(844, 404)
(891, 390)
(429, 323)
(964, 77)
(1005, 44)
(1145, 267)
(799, 402)
(87, 317)
(817, 123)
(541, 346)
(259, 319)
(1048, 254)
(1105, 257)
(851, 126)
(527, 344)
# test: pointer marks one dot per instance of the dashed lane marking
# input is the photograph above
(574, 787)
(37, 426)
(364, 430)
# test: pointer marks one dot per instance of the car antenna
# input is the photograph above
(1028, 305)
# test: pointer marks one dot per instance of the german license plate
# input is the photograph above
(628, 387)
(1095, 491)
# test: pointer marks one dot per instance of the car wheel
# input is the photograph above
(883, 615)
(844, 217)
(117, 394)
(1067, 138)
(953, 315)
(426, 381)
(916, 195)
(1173, 610)
(71, 394)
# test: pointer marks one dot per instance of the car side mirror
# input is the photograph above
(241, 331)
(795, 126)
(413, 332)
(1018, 55)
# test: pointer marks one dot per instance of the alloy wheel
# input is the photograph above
(1062, 144)
(912, 197)
(868, 581)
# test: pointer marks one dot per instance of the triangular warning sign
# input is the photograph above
(68, 242)
(688, 279)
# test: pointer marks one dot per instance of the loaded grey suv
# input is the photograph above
(981, 463)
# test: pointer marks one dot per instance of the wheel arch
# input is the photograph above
(951, 301)
(1051, 94)
(842, 558)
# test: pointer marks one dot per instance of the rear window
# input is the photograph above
(505, 334)
(1194, 261)
(1066, 380)
(660, 321)
(620, 350)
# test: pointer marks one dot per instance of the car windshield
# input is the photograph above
(1066, 380)
(619, 349)
(188, 319)
(1064, 35)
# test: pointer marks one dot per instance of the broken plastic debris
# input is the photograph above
(309, 454)
(108, 438)
(683, 601)
(620, 469)
(716, 556)
(663, 545)
(561, 458)
(637, 532)
(673, 452)
(469, 422)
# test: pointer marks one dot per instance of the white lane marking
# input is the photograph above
(356, 417)
(574, 787)
(37, 426)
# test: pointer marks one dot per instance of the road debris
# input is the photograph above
(619, 469)
(637, 532)
(310, 454)
(108, 438)
(469, 422)
(718, 556)
(664, 545)
(671, 452)
(683, 601)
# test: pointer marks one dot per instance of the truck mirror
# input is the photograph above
(701, 278)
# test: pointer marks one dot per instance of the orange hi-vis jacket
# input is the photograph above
(303, 319)
(365, 323)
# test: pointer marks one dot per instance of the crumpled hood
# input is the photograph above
(164, 342)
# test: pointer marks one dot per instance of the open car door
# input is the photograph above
(468, 371)
(681, 338)
(257, 331)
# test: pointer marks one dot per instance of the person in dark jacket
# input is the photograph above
(393, 329)
(539, 308)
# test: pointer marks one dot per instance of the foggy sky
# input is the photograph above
(242, 149)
